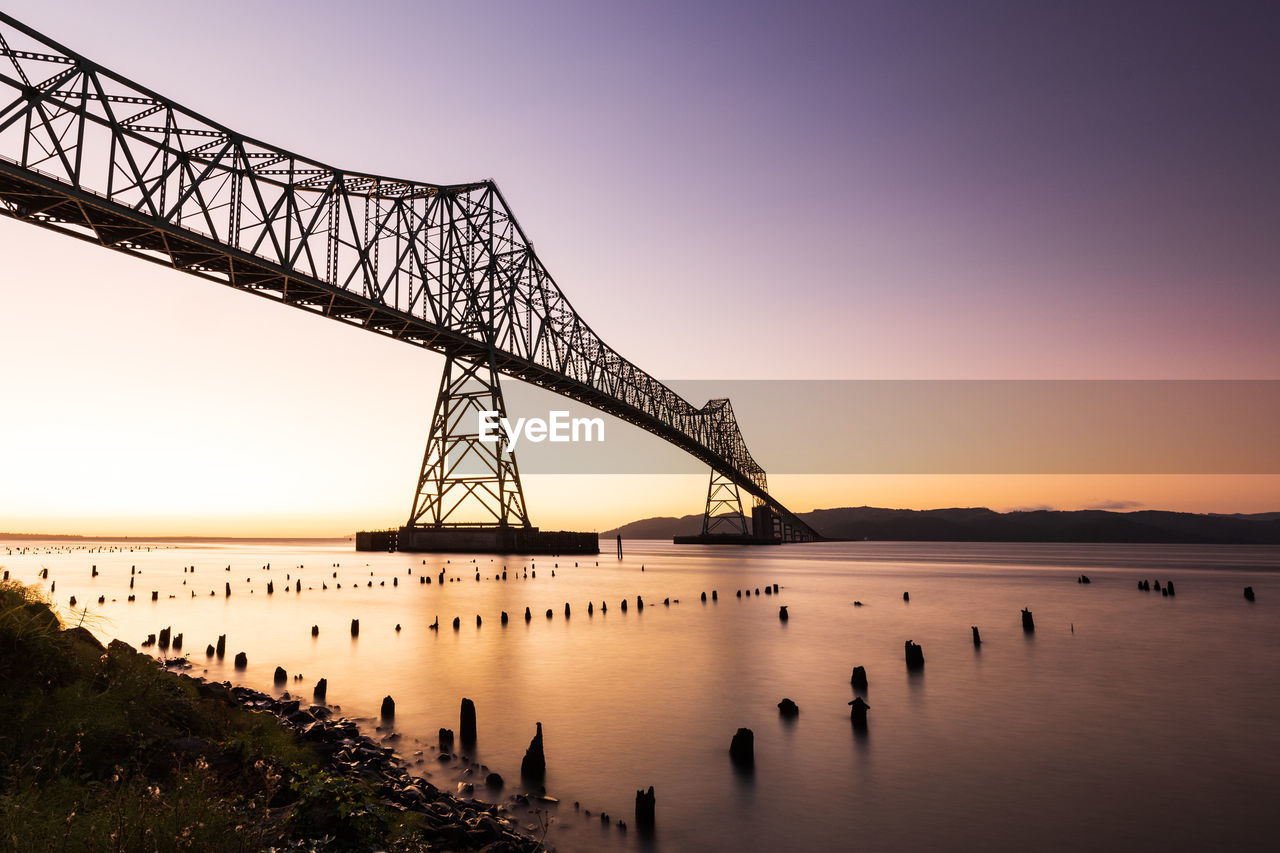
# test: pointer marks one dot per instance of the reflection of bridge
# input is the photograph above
(88, 153)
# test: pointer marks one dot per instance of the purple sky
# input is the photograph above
(748, 190)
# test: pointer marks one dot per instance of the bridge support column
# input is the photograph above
(464, 481)
(724, 513)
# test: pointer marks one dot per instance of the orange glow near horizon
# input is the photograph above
(601, 503)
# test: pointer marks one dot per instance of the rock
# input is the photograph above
(388, 708)
(533, 768)
(859, 677)
(1084, 579)
(321, 688)
(742, 749)
(467, 724)
(493, 781)
(858, 712)
(915, 656)
(446, 739)
(549, 613)
(768, 590)
(782, 613)
(645, 803)
(355, 627)
(281, 676)
(977, 639)
(222, 646)
(397, 627)
(177, 643)
(209, 651)
(242, 660)
(1028, 624)
(787, 708)
(1248, 593)
(164, 639)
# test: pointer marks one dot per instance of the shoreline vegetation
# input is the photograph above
(104, 749)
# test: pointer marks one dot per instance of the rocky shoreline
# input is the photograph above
(449, 822)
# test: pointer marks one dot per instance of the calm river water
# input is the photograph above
(1128, 720)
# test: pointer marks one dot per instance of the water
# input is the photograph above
(1153, 725)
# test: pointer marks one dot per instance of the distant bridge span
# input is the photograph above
(88, 153)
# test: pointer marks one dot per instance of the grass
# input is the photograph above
(101, 750)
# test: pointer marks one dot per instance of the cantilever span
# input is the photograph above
(447, 267)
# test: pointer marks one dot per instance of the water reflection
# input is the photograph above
(648, 698)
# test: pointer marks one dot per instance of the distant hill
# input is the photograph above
(979, 524)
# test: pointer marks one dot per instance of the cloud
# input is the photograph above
(1033, 508)
(1115, 504)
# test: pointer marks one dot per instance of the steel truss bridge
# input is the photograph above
(88, 153)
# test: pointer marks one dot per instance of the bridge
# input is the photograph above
(446, 267)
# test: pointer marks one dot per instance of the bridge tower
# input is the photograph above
(462, 476)
(469, 498)
(724, 513)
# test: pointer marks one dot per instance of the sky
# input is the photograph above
(858, 190)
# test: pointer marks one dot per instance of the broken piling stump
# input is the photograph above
(742, 749)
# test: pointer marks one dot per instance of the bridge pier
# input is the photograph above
(725, 523)
(464, 478)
